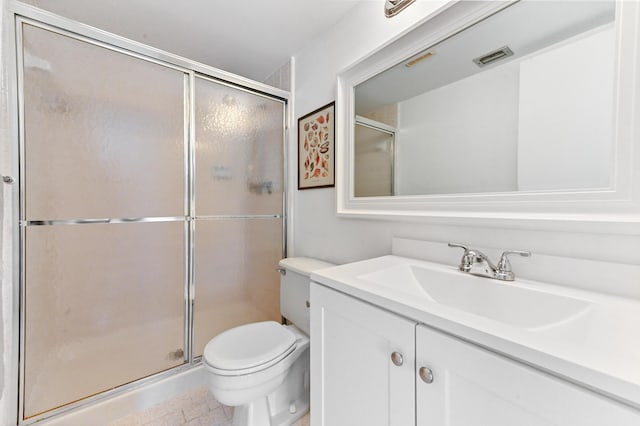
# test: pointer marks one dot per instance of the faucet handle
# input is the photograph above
(458, 245)
(504, 266)
(465, 262)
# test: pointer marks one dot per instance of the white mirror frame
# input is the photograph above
(614, 210)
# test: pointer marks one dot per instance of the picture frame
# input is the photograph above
(316, 148)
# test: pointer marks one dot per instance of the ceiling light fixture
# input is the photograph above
(393, 7)
(419, 59)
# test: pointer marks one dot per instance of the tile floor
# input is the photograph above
(195, 408)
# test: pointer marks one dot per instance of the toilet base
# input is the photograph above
(255, 413)
(275, 396)
(258, 413)
(277, 408)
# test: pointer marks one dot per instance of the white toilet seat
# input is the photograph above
(248, 348)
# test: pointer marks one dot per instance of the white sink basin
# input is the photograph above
(510, 302)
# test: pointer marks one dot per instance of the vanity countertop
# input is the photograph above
(596, 347)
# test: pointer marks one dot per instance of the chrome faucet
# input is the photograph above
(477, 263)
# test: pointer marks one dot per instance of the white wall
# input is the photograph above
(281, 78)
(460, 138)
(317, 232)
(577, 124)
(536, 123)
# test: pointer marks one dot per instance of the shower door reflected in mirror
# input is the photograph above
(103, 139)
(374, 159)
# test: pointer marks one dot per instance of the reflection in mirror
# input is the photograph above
(521, 101)
(374, 156)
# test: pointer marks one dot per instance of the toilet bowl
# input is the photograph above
(262, 368)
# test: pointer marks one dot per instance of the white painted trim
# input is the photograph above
(291, 164)
(607, 210)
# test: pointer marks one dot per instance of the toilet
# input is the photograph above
(262, 368)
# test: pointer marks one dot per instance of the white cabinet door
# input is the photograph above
(354, 381)
(475, 387)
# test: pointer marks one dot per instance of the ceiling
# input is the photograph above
(251, 38)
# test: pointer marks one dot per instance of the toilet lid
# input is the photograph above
(248, 346)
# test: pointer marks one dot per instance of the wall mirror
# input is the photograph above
(505, 105)
(488, 103)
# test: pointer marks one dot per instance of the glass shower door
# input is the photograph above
(239, 188)
(125, 219)
(103, 216)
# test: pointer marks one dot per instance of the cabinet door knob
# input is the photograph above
(426, 374)
(396, 358)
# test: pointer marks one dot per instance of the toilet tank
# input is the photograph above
(294, 288)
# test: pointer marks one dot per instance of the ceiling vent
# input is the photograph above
(494, 56)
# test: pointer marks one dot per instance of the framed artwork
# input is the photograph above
(316, 148)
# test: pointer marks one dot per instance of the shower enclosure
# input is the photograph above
(151, 214)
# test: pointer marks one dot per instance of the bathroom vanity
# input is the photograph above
(400, 341)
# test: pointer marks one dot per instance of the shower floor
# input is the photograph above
(195, 408)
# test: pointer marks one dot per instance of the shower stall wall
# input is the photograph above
(151, 207)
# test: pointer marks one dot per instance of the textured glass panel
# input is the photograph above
(373, 163)
(235, 275)
(104, 132)
(239, 159)
(104, 306)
